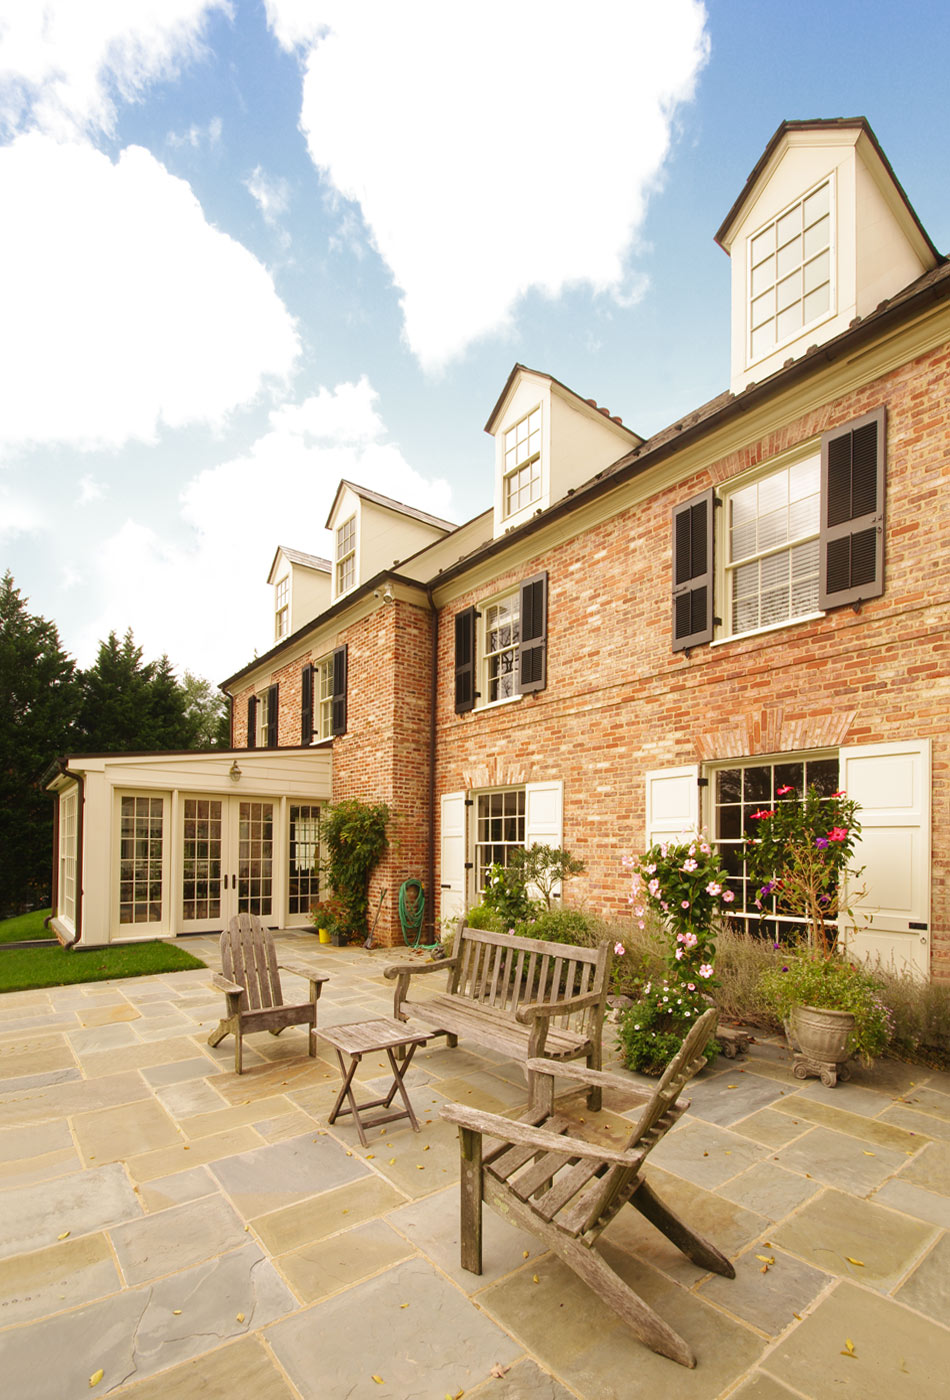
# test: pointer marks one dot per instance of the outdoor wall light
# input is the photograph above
(234, 772)
(387, 595)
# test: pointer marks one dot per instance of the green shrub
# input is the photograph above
(506, 896)
(481, 916)
(921, 1018)
(833, 984)
(652, 1031)
(353, 834)
(561, 926)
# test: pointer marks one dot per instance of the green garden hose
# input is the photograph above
(411, 917)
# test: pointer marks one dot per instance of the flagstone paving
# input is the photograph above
(188, 1232)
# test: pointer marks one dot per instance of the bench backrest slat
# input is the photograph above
(506, 972)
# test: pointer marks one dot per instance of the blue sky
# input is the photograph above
(249, 247)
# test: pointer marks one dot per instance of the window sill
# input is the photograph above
(497, 704)
(764, 631)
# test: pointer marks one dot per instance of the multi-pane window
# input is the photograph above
(323, 698)
(201, 858)
(500, 651)
(304, 875)
(499, 830)
(772, 554)
(264, 702)
(140, 860)
(742, 789)
(282, 608)
(256, 858)
(346, 555)
(68, 842)
(790, 272)
(522, 465)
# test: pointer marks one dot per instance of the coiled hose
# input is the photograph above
(411, 916)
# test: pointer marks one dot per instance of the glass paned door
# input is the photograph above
(227, 861)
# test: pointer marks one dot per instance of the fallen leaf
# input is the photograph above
(849, 1349)
(63, 1236)
(766, 1258)
(426, 1148)
(370, 1156)
(869, 1154)
(535, 1279)
(176, 1312)
(392, 1161)
(378, 1380)
(798, 1316)
(240, 1317)
(499, 1371)
(96, 1377)
(420, 1167)
(404, 1305)
(525, 1253)
(859, 1262)
(764, 1269)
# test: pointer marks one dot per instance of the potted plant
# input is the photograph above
(800, 859)
(682, 882)
(330, 920)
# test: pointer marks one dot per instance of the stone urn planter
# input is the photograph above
(819, 1041)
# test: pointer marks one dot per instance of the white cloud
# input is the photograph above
(270, 194)
(507, 147)
(64, 63)
(197, 136)
(214, 588)
(18, 515)
(90, 490)
(124, 310)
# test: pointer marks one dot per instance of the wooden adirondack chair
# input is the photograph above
(250, 981)
(567, 1190)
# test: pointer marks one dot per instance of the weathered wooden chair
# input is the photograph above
(250, 981)
(567, 1190)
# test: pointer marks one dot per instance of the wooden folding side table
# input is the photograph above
(359, 1038)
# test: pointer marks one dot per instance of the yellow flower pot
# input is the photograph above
(324, 935)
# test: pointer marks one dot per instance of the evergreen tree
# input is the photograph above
(132, 706)
(39, 698)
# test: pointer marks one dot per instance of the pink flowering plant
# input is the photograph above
(800, 858)
(683, 886)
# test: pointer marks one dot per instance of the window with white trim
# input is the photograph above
(303, 876)
(500, 637)
(521, 471)
(771, 555)
(323, 698)
(499, 830)
(346, 555)
(790, 272)
(68, 855)
(742, 788)
(265, 709)
(281, 608)
(141, 852)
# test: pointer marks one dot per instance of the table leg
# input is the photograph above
(347, 1092)
(398, 1073)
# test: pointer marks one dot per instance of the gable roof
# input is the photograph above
(297, 556)
(859, 124)
(568, 393)
(388, 503)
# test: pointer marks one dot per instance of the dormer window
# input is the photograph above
(346, 555)
(790, 272)
(282, 608)
(522, 465)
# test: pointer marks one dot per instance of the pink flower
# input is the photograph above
(780, 792)
(689, 866)
(760, 816)
(706, 970)
(679, 954)
(713, 888)
(654, 887)
(691, 986)
(690, 940)
(684, 904)
(727, 896)
(651, 869)
(641, 924)
(838, 833)
(839, 793)
(619, 949)
(705, 847)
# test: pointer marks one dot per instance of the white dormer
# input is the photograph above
(301, 585)
(548, 441)
(372, 533)
(821, 234)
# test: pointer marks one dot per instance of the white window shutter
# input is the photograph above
(452, 862)
(543, 821)
(891, 782)
(672, 803)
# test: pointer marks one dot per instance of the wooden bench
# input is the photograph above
(520, 996)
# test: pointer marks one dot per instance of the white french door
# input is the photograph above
(228, 861)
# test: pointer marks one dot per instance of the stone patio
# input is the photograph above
(191, 1233)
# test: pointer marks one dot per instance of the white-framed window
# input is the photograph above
(499, 830)
(790, 272)
(770, 547)
(303, 876)
(346, 555)
(323, 698)
(141, 859)
(68, 855)
(521, 472)
(281, 608)
(741, 787)
(500, 636)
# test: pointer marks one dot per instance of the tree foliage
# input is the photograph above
(130, 705)
(353, 834)
(208, 710)
(39, 699)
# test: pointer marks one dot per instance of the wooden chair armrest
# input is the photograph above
(523, 1135)
(306, 972)
(533, 1009)
(569, 1070)
(224, 985)
(412, 969)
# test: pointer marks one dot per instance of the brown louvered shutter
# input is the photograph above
(252, 721)
(272, 696)
(693, 571)
(465, 660)
(306, 704)
(852, 512)
(533, 622)
(338, 702)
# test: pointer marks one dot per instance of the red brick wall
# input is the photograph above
(619, 702)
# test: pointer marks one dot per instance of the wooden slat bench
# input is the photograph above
(519, 996)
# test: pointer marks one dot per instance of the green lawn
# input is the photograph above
(25, 926)
(25, 968)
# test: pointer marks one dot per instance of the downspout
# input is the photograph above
(433, 697)
(80, 812)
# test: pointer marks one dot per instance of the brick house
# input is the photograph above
(645, 636)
